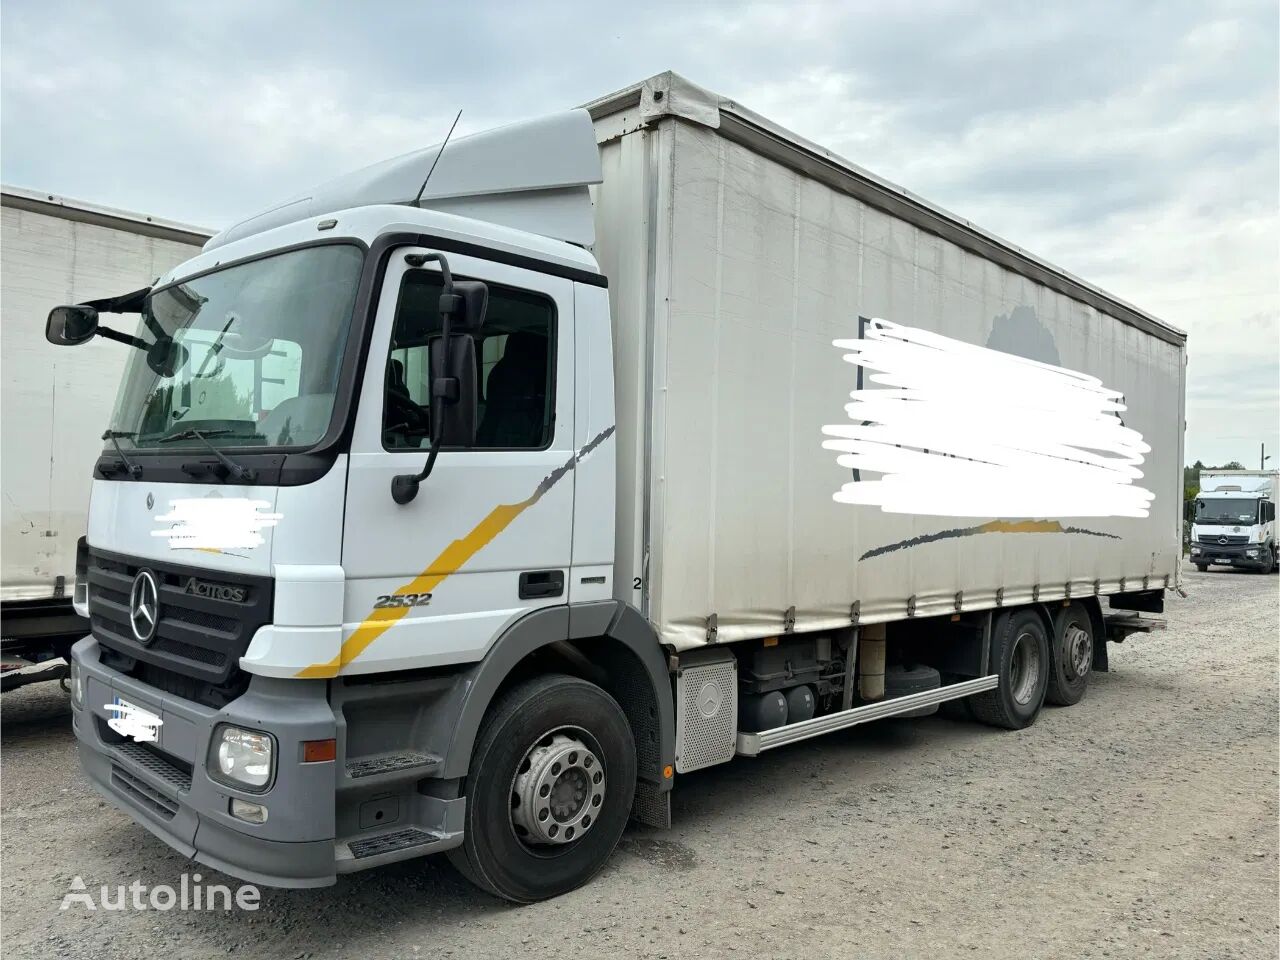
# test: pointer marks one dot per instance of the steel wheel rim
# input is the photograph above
(1024, 668)
(558, 790)
(1078, 649)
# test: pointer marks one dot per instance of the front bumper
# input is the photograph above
(323, 818)
(165, 787)
(1232, 555)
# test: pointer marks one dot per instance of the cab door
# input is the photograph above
(489, 535)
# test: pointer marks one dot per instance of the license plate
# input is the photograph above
(130, 720)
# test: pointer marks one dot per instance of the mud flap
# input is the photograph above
(652, 806)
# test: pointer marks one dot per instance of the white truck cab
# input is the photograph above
(288, 373)
(1235, 520)
(460, 511)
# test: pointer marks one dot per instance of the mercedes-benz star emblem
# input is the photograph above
(151, 501)
(144, 606)
(709, 699)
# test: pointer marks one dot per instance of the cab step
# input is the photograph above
(383, 763)
(392, 842)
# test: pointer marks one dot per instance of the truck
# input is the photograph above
(466, 502)
(56, 404)
(1234, 523)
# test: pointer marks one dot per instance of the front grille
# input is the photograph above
(1217, 540)
(213, 658)
(199, 639)
(143, 794)
(178, 684)
(199, 618)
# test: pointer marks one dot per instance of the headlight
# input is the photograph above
(244, 758)
(1251, 553)
(1195, 549)
(77, 685)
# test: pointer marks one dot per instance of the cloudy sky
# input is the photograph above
(1135, 144)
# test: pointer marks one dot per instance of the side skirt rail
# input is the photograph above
(752, 744)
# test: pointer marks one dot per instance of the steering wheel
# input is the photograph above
(401, 408)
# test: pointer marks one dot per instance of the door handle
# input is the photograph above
(541, 583)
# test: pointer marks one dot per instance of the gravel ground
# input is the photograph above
(1141, 822)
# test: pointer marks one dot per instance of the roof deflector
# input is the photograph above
(531, 175)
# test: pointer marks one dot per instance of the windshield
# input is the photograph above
(258, 351)
(1223, 510)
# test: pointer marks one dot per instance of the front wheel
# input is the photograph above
(1202, 567)
(549, 791)
(1020, 654)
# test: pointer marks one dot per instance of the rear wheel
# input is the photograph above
(1020, 653)
(549, 791)
(1071, 661)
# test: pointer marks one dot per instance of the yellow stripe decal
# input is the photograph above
(1022, 526)
(450, 560)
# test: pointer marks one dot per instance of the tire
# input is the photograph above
(534, 720)
(955, 709)
(902, 680)
(1020, 650)
(1202, 567)
(1071, 656)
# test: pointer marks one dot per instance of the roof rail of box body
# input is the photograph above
(50, 204)
(531, 176)
(671, 95)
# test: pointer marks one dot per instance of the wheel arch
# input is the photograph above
(608, 643)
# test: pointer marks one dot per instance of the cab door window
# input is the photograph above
(515, 358)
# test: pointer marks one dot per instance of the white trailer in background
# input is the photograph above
(56, 404)
(1235, 520)
(639, 438)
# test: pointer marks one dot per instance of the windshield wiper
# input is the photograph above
(237, 472)
(134, 469)
(215, 348)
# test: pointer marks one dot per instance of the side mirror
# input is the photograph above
(455, 392)
(70, 326)
(468, 305)
(454, 398)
